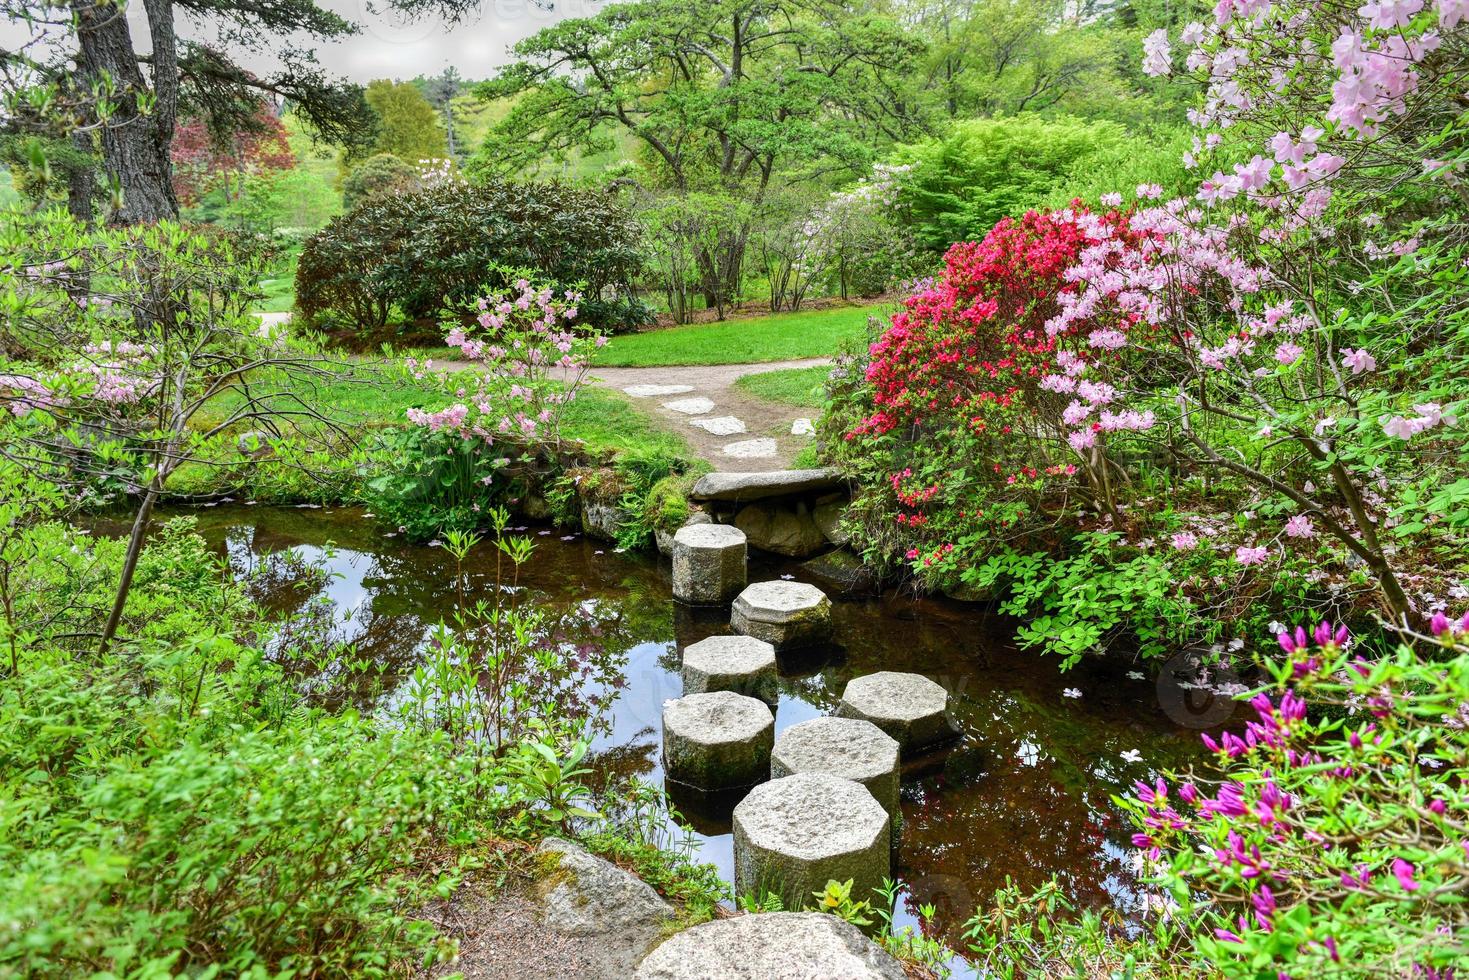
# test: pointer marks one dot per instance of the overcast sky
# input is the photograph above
(390, 47)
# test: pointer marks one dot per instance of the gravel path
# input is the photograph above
(724, 424)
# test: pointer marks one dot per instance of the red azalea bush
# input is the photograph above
(950, 427)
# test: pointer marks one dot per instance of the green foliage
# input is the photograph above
(378, 176)
(1082, 602)
(434, 481)
(407, 125)
(982, 170)
(777, 337)
(445, 245)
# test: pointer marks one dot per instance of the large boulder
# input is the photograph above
(844, 570)
(828, 514)
(585, 896)
(782, 529)
(741, 487)
(793, 835)
(771, 946)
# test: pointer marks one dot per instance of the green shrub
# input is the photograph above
(448, 244)
(982, 170)
(378, 176)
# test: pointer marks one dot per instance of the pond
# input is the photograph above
(1025, 795)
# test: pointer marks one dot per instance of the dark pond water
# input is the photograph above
(1023, 796)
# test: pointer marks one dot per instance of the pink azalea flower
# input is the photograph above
(1185, 541)
(1289, 353)
(1246, 555)
(1359, 360)
(1403, 872)
(1299, 526)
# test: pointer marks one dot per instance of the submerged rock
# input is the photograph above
(771, 946)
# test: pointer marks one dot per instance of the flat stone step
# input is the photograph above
(691, 406)
(717, 740)
(656, 391)
(793, 835)
(770, 945)
(761, 448)
(741, 664)
(720, 425)
(847, 747)
(911, 708)
(787, 615)
(803, 427)
(754, 486)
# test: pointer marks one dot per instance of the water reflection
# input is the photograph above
(1023, 796)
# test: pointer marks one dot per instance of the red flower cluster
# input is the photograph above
(972, 348)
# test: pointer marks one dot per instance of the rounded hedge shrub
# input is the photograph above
(449, 243)
(378, 176)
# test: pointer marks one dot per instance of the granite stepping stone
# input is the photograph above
(656, 391)
(691, 406)
(912, 709)
(752, 448)
(847, 747)
(718, 740)
(793, 835)
(787, 615)
(741, 664)
(720, 425)
(708, 563)
(770, 945)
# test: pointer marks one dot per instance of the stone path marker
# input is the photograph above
(793, 835)
(803, 427)
(657, 391)
(720, 425)
(708, 563)
(771, 945)
(911, 708)
(741, 664)
(846, 747)
(718, 740)
(787, 615)
(691, 406)
(752, 448)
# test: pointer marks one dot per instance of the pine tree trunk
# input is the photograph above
(134, 146)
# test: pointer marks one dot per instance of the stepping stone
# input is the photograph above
(751, 448)
(803, 427)
(909, 707)
(847, 747)
(771, 944)
(718, 740)
(656, 391)
(722, 425)
(787, 615)
(793, 835)
(708, 563)
(741, 664)
(754, 486)
(691, 406)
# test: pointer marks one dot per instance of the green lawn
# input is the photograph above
(752, 340)
(803, 387)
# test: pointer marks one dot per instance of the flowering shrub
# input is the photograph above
(1331, 836)
(532, 363)
(1275, 352)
